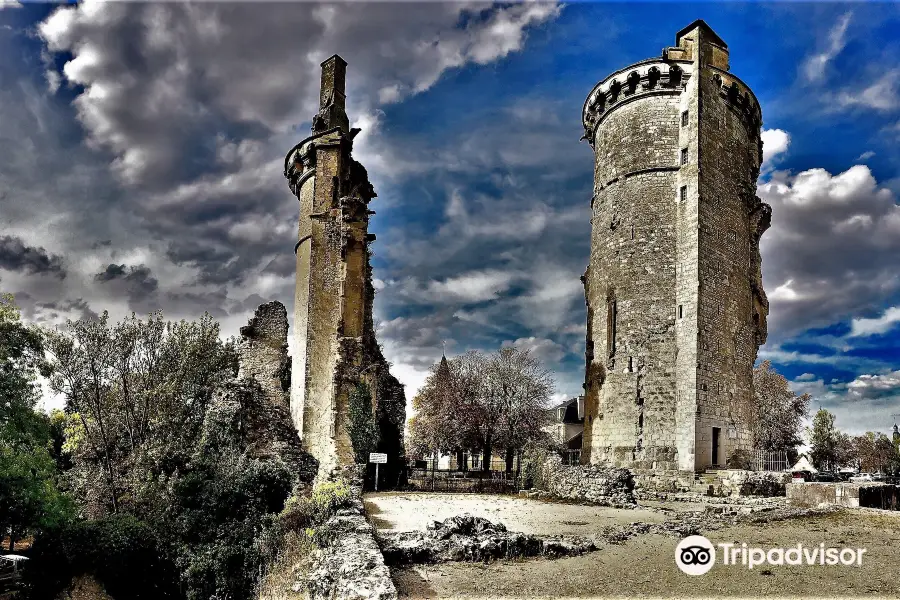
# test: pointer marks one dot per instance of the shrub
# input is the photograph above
(739, 459)
(121, 551)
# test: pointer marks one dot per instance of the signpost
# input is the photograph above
(378, 458)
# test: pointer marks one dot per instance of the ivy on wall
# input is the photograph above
(362, 428)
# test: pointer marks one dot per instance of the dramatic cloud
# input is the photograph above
(157, 76)
(831, 252)
(878, 325)
(15, 255)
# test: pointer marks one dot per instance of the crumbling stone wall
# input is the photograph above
(258, 400)
(871, 495)
(597, 484)
(334, 334)
(263, 351)
(351, 565)
(674, 297)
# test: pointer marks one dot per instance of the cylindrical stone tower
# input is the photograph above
(676, 309)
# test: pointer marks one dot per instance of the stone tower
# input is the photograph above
(335, 348)
(676, 308)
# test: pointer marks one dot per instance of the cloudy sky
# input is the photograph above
(141, 150)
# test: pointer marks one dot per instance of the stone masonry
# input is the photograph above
(335, 345)
(676, 308)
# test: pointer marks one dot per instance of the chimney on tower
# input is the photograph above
(332, 97)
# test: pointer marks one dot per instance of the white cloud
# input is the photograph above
(471, 287)
(10, 4)
(775, 143)
(865, 155)
(545, 350)
(882, 95)
(830, 251)
(879, 325)
(875, 385)
(815, 65)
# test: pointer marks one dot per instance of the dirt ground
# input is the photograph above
(409, 511)
(644, 565)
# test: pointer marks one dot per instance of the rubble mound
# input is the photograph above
(474, 539)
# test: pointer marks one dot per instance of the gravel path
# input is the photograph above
(645, 566)
(408, 511)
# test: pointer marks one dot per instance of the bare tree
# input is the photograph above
(521, 387)
(483, 402)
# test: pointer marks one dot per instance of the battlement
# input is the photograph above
(646, 78)
(739, 97)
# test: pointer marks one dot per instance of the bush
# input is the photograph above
(739, 459)
(122, 552)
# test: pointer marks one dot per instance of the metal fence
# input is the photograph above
(761, 460)
(436, 480)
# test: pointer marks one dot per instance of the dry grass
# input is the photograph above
(293, 563)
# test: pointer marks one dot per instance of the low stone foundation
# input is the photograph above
(474, 539)
(869, 495)
(659, 485)
(595, 484)
(351, 566)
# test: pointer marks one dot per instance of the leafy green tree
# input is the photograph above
(29, 498)
(824, 441)
(777, 413)
(138, 391)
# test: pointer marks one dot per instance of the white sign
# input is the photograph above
(379, 458)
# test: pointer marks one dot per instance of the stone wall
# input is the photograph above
(652, 484)
(594, 484)
(263, 352)
(351, 566)
(871, 495)
(259, 398)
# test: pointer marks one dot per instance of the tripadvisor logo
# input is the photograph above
(696, 555)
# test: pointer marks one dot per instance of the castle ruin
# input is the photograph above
(335, 348)
(675, 303)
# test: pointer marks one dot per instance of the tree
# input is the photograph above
(874, 452)
(522, 388)
(137, 392)
(824, 441)
(29, 498)
(777, 413)
(484, 402)
(362, 428)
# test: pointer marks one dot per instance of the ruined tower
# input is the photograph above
(676, 308)
(335, 348)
